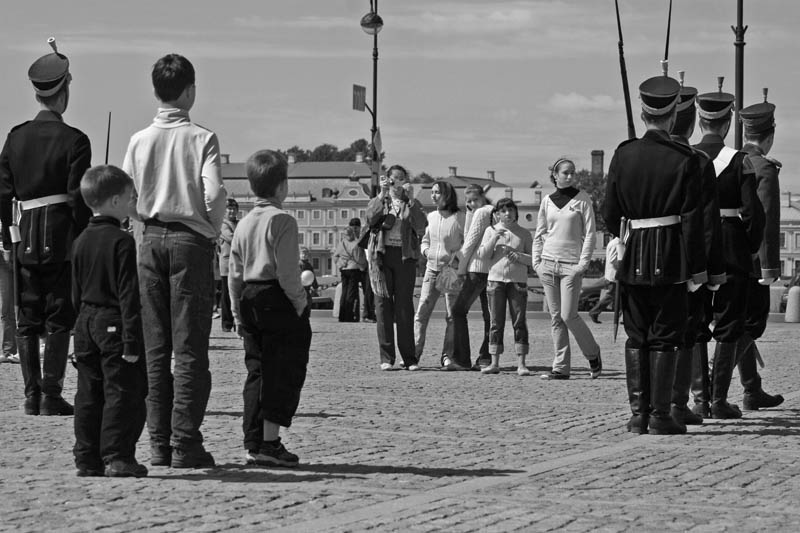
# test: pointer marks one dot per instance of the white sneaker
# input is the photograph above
(522, 371)
(413, 368)
(13, 358)
(386, 366)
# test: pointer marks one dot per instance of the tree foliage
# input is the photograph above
(595, 187)
(329, 152)
(422, 177)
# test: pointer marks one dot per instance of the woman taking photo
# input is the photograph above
(562, 248)
(350, 259)
(441, 242)
(399, 222)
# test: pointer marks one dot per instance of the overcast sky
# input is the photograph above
(507, 85)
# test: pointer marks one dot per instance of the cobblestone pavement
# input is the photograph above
(430, 450)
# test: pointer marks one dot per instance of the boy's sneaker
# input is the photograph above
(119, 468)
(273, 454)
(194, 458)
(554, 375)
(386, 366)
(13, 358)
(413, 368)
(596, 367)
(161, 455)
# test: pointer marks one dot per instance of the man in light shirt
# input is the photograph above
(175, 166)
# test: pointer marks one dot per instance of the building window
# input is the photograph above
(316, 214)
(330, 264)
(301, 214)
(315, 263)
(301, 238)
(797, 241)
(315, 238)
(331, 215)
(330, 238)
(345, 215)
(529, 217)
(783, 267)
(796, 267)
(538, 197)
(362, 214)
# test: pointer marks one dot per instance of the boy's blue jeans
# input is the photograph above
(176, 281)
(276, 346)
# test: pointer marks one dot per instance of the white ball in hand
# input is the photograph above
(307, 278)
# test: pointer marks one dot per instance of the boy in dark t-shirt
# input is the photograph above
(109, 354)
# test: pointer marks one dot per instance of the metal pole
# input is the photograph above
(376, 157)
(739, 44)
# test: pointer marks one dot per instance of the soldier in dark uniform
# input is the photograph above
(655, 184)
(759, 134)
(742, 230)
(694, 355)
(41, 165)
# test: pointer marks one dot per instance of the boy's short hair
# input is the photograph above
(101, 182)
(172, 74)
(266, 170)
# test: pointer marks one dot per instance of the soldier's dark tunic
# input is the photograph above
(648, 178)
(741, 237)
(40, 158)
(700, 301)
(767, 263)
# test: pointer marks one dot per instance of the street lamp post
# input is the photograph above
(372, 23)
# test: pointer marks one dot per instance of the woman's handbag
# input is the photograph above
(448, 281)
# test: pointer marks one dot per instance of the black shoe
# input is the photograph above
(196, 458)
(118, 468)
(702, 409)
(161, 455)
(554, 375)
(596, 367)
(87, 471)
(31, 405)
(594, 317)
(724, 410)
(273, 454)
(55, 406)
(227, 329)
(638, 424)
(666, 426)
(684, 415)
(753, 401)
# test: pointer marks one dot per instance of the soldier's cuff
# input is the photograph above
(700, 277)
(767, 273)
(717, 279)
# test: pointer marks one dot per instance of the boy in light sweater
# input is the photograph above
(507, 246)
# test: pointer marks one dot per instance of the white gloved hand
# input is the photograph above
(713, 288)
(767, 281)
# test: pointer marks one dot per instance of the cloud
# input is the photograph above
(576, 103)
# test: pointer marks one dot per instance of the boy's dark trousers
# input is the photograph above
(109, 405)
(276, 345)
(226, 315)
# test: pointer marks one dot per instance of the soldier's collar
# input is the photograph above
(47, 114)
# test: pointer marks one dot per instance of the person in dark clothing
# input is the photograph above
(654, 183)
(41, 165)
(368, 313)
(759, 134)
(693, 356)
(109, 349)
(742, 231)
(225, 238)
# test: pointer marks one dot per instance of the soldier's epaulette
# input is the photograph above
(18, 126)
(747, 165)
(774, 161)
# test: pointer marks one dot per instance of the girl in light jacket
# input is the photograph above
(562, 248)
(442, 240)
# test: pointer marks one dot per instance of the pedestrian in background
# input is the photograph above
(606, 299)
(562, 248)
(41, 166)
(271, 309)
(368, 313)
(349, 258)
(225, 237)
(475, 271)
(442, 240)
(507, 247)
(175, 166)
(393, 251)
(109, 349)
(306, 266)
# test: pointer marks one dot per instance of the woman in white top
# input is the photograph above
(562, 248)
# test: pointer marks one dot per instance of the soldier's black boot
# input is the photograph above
(721, 374)
(638, 380)
(754, 396)
(54, 368)
(28, 348)
(701, 381)
(680, 390)
(662, 378)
